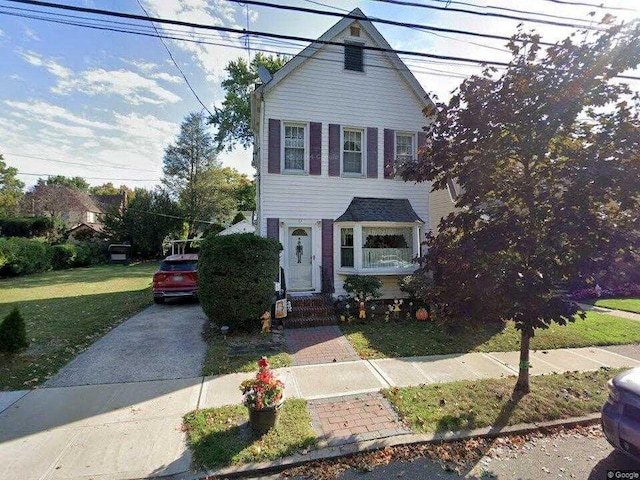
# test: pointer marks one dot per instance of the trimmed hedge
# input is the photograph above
(23, 256)
(236, 278)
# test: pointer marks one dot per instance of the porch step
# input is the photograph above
(310, 311)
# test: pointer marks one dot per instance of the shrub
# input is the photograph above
(13, 333)
(30, 227)
(238, 218)
(63, 256)
(235, 278)
(22, 256)
(363, 286)
(90, 252)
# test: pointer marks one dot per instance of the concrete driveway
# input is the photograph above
(160, 343)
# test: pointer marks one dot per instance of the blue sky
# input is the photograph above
(115, 101)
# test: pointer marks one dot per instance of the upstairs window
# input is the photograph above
(405, 147)
(353, 57)
(294, 147)
(91, 217)
(352, 163)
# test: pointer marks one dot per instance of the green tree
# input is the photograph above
(78, 183)
(245, 193)
(193, 175)
(108, 189)
(13, 333)
(546, 155)
(10, 189)
(232, 120)
(149, 217)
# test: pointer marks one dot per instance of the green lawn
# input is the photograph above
(626, 304)
(241, 352)
(66, 311)
(222, 436)
(379, 339)
(482, 403)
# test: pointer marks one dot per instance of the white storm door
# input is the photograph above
(299, 261)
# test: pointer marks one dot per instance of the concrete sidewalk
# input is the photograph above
(133, 430)
(610, 311)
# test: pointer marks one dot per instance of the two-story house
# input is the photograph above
(329, 127)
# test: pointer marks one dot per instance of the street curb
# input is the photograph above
(252, 469)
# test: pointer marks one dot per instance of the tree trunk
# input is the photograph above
(522, 386)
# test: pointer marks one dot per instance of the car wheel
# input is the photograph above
(158, 300)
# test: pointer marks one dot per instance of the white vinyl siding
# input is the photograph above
(295, 141)
(353, 151)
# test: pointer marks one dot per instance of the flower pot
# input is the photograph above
(264, 419)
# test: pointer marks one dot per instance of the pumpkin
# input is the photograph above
(422, 314)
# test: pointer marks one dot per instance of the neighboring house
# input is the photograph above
(243, 226)
(80, 211)
(442, 203)
(329, 127)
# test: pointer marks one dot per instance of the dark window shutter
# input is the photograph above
(315, 148)
(327, 256)
(273, 228)
(422, 141)
(389, 154)
(353, 57)
(334, 150)
(274, 146)
(372, 152)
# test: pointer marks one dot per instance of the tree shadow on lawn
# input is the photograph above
(466, 422)
(408, 338)
(81, 275)
(60, 328)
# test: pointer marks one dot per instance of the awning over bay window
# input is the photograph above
(364, 209)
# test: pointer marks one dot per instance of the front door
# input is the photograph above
(299, 261)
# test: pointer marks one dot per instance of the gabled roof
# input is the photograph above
(329, 35)
(363, 209)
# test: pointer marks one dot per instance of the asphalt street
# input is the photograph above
(569, 455)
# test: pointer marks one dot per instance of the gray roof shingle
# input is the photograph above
(363, 209)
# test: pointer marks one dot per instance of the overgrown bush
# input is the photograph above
(63, 256)
(22, 256)
(235, 278)
(13, 333)
(363, 286)
(30, 227)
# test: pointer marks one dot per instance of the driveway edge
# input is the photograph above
(252, 469)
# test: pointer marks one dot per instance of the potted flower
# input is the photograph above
(263, 398)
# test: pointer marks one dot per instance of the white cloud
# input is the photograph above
(51, 66)
(31, 34)
(133, 87)
(167, 77)
(142, 65)
(42, 110)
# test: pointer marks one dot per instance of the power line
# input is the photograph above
(186, 80)
(592, 5)
(168, 216)
(486, 14)
(79, 163)
(428, 71)
(266, 34)
(94, 178)
(514, 10)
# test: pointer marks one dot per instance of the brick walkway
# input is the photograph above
(309, 346)
(354, 418)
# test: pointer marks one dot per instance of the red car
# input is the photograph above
(177, 277)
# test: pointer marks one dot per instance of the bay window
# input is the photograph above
(376, 248)
(387, 247)
(346, 247)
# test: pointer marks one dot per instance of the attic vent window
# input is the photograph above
(355, 31)
(353, 57)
